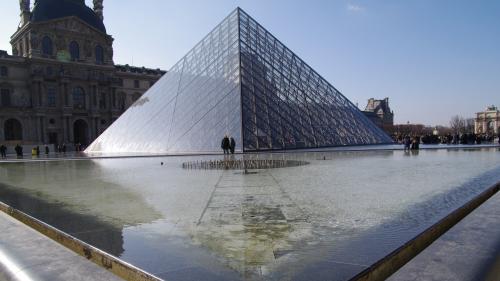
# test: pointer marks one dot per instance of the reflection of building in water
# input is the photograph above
(379, 112)
(84, 227)
(60, 85)
(253, 227)
(488, 121)
(81, 202)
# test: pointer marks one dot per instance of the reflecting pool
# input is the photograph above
(328, 219)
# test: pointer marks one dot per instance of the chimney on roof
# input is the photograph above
(98, 8)
(24, 5)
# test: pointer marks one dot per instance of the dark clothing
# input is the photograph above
(19, 150)
(407, 143)
(232, 145)
(225, 145)
(3, 151)
(47, 150)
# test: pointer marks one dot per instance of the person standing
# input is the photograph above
(407, 143)
(46, 150)
(225, 144)
(232, 145)
(3, 151)
(19, 150)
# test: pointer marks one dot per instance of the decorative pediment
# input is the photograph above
(72, 24)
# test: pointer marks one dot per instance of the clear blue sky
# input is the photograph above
(433, 59)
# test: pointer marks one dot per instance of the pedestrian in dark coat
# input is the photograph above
(225, 145)
(3, 151)
(232, 145)
(19, 150)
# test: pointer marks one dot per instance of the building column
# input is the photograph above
(2, 134)
(65, 129)
(91, 128)
(40, 94)
(66, 95)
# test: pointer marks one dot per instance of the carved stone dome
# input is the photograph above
(45, 10)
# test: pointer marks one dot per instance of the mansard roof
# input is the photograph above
(45, 10)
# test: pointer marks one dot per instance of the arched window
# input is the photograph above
(13, 130)
(47, 46)
(490, 127)
(74, 50)
(78, 98)
(99, 55)
(4, 71)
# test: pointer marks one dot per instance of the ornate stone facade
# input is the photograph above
(379, 112)
(60, 85)
(488, 121)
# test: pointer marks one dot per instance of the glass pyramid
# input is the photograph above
(242, 82)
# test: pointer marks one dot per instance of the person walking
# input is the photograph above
(225, 144)
(232, 145)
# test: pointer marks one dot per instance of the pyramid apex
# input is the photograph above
(241, 81)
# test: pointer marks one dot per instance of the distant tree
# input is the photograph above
(469, 125)
(458, 124)
(444, 130)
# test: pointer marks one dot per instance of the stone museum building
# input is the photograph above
(488, 121)
(60, 85)
(379, 112)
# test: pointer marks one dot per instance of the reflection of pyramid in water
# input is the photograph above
(240, 81)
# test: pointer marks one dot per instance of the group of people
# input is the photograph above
(411, 143)
(61, 148)
(228, 145)
(36, 150)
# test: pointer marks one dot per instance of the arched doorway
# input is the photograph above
(80, 132)
(13, 130)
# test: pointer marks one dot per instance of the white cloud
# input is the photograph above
(354, 8)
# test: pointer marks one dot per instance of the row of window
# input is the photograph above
(78, 95)
(74, 50)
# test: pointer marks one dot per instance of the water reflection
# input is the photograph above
(87, 228)
(332, 217)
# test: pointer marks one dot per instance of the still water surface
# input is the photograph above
(326, 220)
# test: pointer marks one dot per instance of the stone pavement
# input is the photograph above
(468, 251)
(27, 255)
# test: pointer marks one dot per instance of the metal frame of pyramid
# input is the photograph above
(242, 82)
